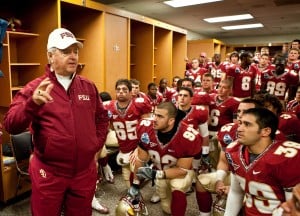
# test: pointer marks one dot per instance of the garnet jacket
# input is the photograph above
(67, 132)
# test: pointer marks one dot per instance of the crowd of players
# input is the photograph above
(245, 114)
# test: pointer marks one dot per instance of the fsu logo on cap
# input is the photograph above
(66, 34)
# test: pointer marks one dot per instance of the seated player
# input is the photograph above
(171, 147)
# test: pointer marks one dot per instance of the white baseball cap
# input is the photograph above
(62, 38)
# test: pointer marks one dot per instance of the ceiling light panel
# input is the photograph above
(246, 26)
(228, 18)
(183, 3)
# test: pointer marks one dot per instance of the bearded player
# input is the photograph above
(171, 147)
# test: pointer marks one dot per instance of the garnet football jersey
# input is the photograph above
(227, 134)
(217, 71)
(168, 94)
(186, 142)
(265, 178)
(294, 66)
(289, 125)
(202, 98)
(124, 123)
(195, 74)
(222, 113)
(243, 79)
(294, 107)
(278, 85)
(156, 101)
(196, 116)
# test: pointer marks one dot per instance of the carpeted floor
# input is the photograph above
(108, 194)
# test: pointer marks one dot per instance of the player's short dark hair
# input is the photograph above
(272, 99)
(172, 110)
(179, 84)
(264, 118)
(279, 59)
(124, 82)
(135, 82)
(257, 103)
(187, 89)
(176, 77)
(105, 96)
(189, 80)
(245, 54)
(162, 80)
(235, 54)
(264, 54)
(208, 75)
(151, 85)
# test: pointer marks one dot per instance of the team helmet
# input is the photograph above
(129, 206)
(219, 205)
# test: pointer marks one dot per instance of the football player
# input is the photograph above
(289, 123)
(167, 92)
(124, 114)
(199, 97)
(262, 65)
(197, 117)
(223, 108)
(293, 62)
(208, 84)
(154, 96)
(219, 181)
(264, 50)
(264, 169)
(295, 44)
(203, 60)
(294, 105)
(234, 58)
(293, 56)
(196, 72)
(243, 76)
(136, 92)
(174, 82)
(171, 147)
(278, 80)
(217, 69)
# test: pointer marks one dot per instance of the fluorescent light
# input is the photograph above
(228, 18)
(183, 3)
(234, 27)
